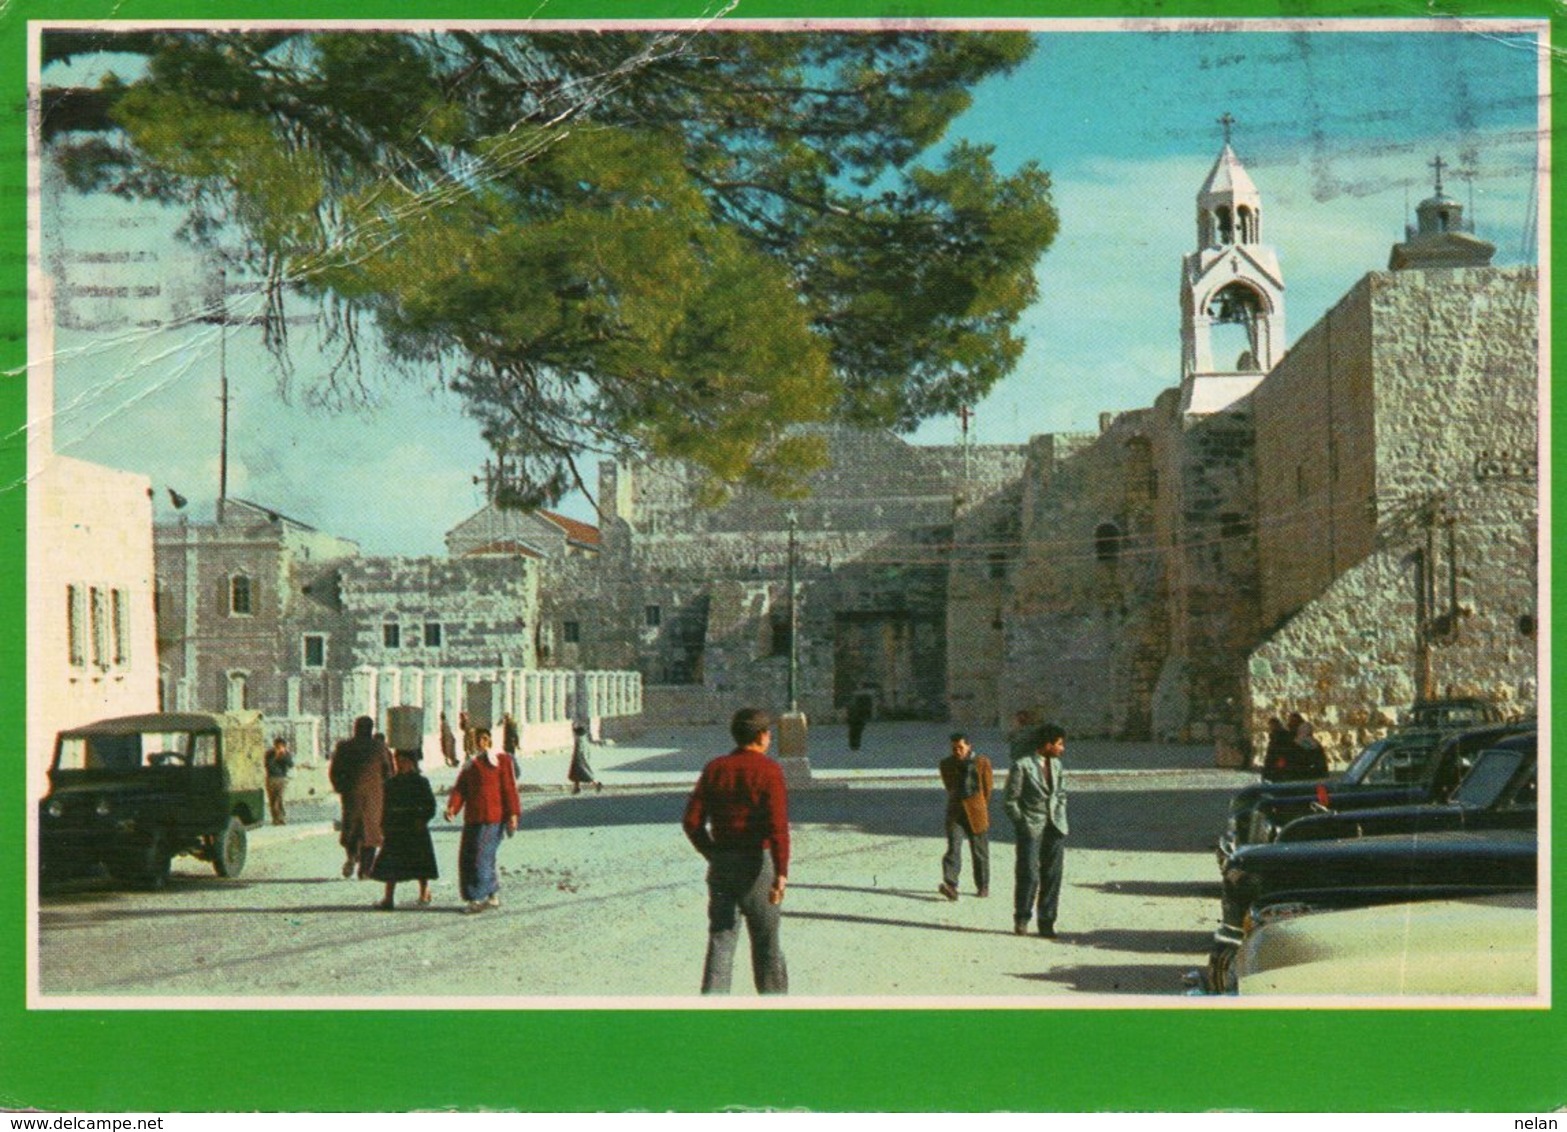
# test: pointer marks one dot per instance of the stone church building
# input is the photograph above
(1338, 528)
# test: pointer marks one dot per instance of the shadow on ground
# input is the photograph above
(1176, 821)
(899, 746)
(1204, 890)
(1129, 978)
(1141, 939)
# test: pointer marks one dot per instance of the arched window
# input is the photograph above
(241, 598)
(1107, 542)
(1237, 311)
(1226, 225)
(1246, 220)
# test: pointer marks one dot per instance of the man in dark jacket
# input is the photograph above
(359, 768)
(278, 763)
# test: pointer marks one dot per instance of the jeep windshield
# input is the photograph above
(134, 750)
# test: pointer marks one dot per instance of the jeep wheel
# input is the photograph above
(228, 850)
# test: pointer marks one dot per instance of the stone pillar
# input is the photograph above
(792, 747)
(293, 685)
(359, 690)
(388, 694)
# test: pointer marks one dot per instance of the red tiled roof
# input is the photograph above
(576, 530)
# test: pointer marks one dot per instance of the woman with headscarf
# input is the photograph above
(1312, 760)
(485, 793)
(407, 853)
(359, 767)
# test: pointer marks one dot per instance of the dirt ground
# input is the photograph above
(603, 902)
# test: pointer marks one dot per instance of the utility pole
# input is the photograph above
(223, 389)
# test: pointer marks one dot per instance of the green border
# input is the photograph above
(1047, 1060)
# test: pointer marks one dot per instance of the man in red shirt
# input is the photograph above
(738, 818)
(486, 794)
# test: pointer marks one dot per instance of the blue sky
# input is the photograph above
(1336, 128)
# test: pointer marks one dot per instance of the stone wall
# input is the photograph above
(292, 573)
(1445, 600)
(873, 540)
(1316, 459)
(1208, 515)
(1351, 660)
(201, 640)
(1085, 623)
(985, 553)
(486, 608)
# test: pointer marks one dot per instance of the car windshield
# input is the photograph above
(1363, 761)
(137, 749)
(1396, 764)
(1491, 773)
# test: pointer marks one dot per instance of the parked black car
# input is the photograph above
(129, 794)
(1446, 715)
(1499, 792)
(1357, 872)
(1406, 768)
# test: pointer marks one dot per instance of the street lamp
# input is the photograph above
(792, 724)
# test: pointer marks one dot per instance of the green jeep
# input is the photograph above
(129, 794)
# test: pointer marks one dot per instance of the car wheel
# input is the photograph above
(228, 852)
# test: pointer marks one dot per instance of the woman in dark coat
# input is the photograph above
(407, 852)
(359, 766)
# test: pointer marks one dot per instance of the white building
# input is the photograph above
(91, 640)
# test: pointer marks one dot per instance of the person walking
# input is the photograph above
(1020, 739)
(580, 773)
(448, 743)
(862, 706)
(466, 727)
(1312, 761)
(511, 740)
(1035, 800)
(738, 819)
(485, 793)
(967, 778)
(278, 763)
(407, 852)
(359, 767)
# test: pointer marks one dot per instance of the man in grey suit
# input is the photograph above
(1035, 800)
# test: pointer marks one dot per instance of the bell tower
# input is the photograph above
(1232, 292)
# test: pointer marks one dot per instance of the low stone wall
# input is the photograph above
(678, 705)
